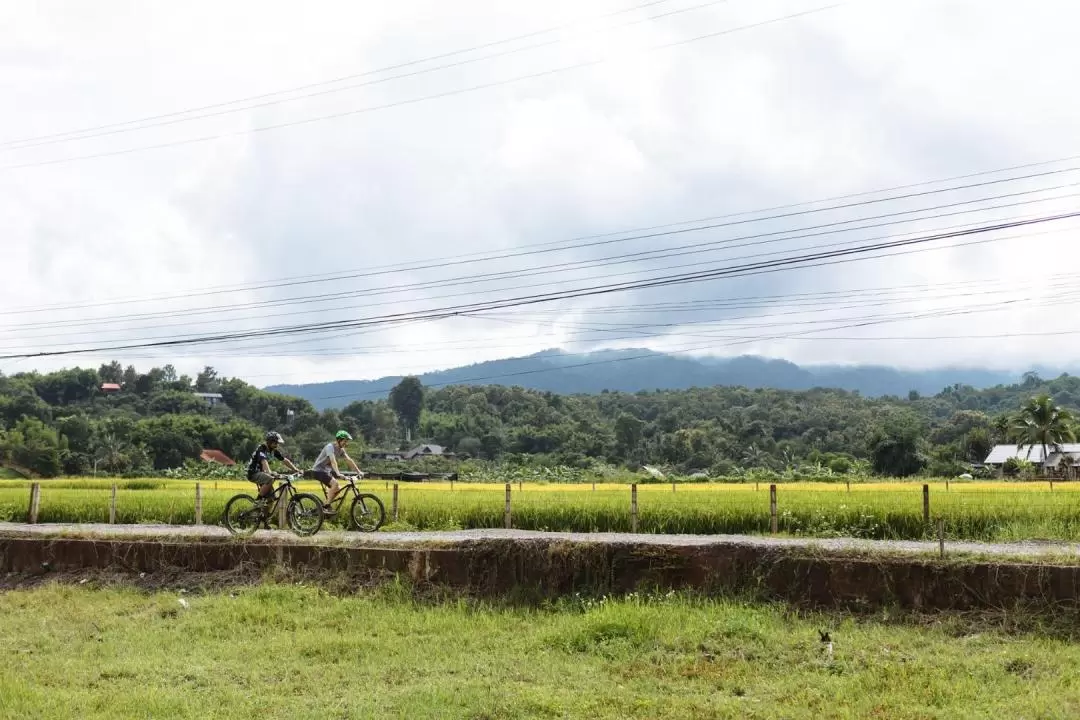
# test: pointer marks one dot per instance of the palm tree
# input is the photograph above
(755, 458)
(1041, 422)
(1003, 428)
(110, 452)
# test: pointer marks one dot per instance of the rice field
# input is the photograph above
(886, 510)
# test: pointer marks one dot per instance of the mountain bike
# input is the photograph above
(303, 513)
(367, 512)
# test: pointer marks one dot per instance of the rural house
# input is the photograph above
(1061, 461)
(423, 451)
(216, 456)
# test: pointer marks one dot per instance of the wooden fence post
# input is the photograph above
(394, 504)
(773, 520)
(198, 503)
(941, 535)
(507, 522)
(756, 486)
(849, 486)
(926, 503)
(282, 516)
(594, 486)
(672, 486)
(519, 486)
(633, 508)
(35, 503)
(112, 506)
(946, 484)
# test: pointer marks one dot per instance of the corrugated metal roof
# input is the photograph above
(1071, 458)
(1034, 454)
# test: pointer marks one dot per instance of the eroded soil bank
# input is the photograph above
(538, 569)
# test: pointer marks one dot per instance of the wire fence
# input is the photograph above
(898, 511)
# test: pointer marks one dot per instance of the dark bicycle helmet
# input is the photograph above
(273, 436)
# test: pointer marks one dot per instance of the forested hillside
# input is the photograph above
(63, 422)
(636, 370)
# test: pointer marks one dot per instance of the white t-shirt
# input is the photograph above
(323, 461)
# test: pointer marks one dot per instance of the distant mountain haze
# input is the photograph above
(613, 370)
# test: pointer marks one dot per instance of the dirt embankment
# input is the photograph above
(538, 569)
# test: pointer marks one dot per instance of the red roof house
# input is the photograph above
(110, 387)
(216, 456)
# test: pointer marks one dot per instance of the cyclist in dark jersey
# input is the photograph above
(258, 470)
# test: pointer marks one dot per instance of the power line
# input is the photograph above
(171, 120)
(605, 262)
(743, 274)
(573, 243)
(608, 262)
(411, 101)
(662, 281)
(334, 81)
(830, 299)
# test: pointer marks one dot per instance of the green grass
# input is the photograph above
(973, 511)
(283, 651)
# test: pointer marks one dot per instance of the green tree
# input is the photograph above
(976, 445)
(894, 447)
(628, 433)
(469, 446)
(111, 372)
(1002, 428)
(207, 380)
(1041, 422)
(112, 454)
(34, 445)
(407, 400)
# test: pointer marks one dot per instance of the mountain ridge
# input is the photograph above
(634, 370)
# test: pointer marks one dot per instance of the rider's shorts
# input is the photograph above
(323, 476)
(261, 478)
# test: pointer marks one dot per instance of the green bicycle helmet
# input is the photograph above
(342, 435)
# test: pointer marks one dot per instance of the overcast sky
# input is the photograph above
(601, 118)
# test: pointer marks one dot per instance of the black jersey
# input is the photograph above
(261, 453)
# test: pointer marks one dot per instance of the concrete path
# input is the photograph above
(1027, 549)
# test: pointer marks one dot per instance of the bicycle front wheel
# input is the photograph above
(368, 513)
(242, 515)
(304, 514)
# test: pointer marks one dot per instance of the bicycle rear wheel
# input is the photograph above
(242, 515)
(367, 512)
(304, 514)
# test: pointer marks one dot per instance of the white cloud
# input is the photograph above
(867, 95)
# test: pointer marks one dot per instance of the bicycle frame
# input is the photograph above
(285, 488)
(343, 491)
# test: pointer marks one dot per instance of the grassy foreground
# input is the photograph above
(282, 651)
(972, 511)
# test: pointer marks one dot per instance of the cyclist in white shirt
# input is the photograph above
(326, 469)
